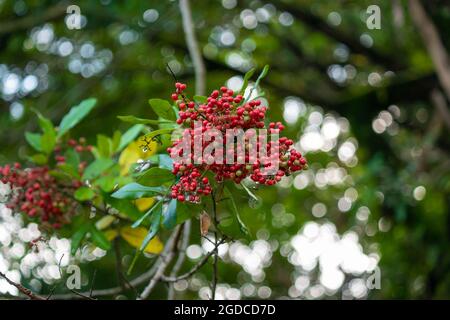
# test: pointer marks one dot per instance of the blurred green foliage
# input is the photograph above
(375, 83)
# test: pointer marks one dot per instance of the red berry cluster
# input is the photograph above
(39, 195)
(226, 110)
(191, 184)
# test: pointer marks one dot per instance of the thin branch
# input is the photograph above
(216, 253)
(197, 267)
(194, 51)
(60, 274)
(181, 257)
(51, 293)
(27, 22)
(87, 296)
(22, 289)
(166, 259)
(306, 17)
(82, 295)
(118, 258)
(438, 99)
(398, 16)
(433, 43)
(116, 290)
(92, 283)
(171, 72)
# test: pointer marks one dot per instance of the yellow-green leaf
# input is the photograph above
(136, 236)
(134, 152)
(144, 204)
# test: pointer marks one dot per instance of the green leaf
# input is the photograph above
(106, 183)
(69, 170)
(249, 192)
(185, 211)
(134, 191)
(84, 194)
(99, 238)
(124, 207)
(130, 136)
(45, 124)
(96, 168)
(162, 160)
(170, 214)
(133, 119)
(154, 228)
(77, 237)
(34, 140)
(155, 177)
(104, 146)
(247, 77)
(241, 223)
(165, 161)
(72, 158)
(39, 159)
(117, 136)
(61, 176)
(48, 141)
(156, 133)
(163, 109)
(261, 76)
(48, 138)
(75, 115)
(141, 219)
(201, 99)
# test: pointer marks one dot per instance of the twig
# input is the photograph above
(318, 24)
(82, 295)
(193, 47)
(51, 293)
(165, 261)
(22, 289)
(181, 257)
(116, 290)
(92, 283)
(216, 253)
(209, 240)
(433, 43)
(121, 278)
(118, 256)
(197, 267)
(440, 103)
(171, 72)
(27, 22)
(60, 274)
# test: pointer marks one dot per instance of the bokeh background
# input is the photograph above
(365, 106)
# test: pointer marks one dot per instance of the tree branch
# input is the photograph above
(197, 267)
(441, 105)
(181, 257)
(116, 290)
(317, 23)
(193, 47)
(166, 259)
(22, 289)
(216, 241)
(118, 259)
(51, 13)
(433, 43)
